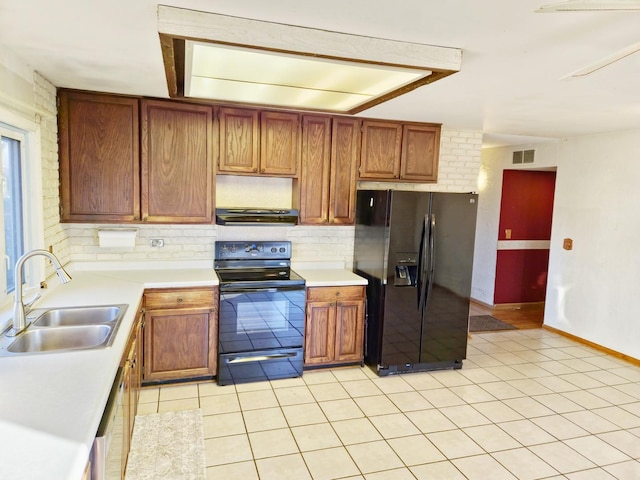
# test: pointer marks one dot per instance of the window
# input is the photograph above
(12, 215)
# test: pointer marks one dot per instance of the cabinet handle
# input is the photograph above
(337, 294)
(180, 300)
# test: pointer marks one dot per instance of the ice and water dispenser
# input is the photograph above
(406, 269)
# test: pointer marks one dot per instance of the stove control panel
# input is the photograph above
(233, 250)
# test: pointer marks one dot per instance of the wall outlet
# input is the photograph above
(157, 242)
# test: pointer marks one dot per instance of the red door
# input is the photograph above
(526, 211)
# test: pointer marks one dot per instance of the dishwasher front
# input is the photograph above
(107, 454)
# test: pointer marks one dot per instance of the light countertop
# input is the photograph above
(325, 277)
(51, 404)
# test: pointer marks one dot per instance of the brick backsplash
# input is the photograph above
(196, 242)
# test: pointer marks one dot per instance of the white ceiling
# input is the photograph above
(509, 87)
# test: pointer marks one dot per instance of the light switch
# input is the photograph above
(507, 233)
(567, 244)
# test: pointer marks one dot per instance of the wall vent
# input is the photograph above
(523, 156)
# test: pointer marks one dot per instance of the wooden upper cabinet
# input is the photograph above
(99, 158)
(420, 152)
(315, 170)
(177, 162)
(345, 152)
(380, 156)
(254, 142)
(327, 185)
(239, 140)
(279, 143)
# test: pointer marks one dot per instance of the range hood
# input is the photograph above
(256, 216)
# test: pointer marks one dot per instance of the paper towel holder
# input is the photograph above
(117, 237)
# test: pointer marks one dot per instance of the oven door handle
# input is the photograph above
(229, 289)
(259, 358)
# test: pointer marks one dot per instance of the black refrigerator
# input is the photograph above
(416, 251)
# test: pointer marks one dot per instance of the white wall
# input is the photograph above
(592, 289)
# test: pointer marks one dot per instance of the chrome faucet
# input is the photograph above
(19, 314)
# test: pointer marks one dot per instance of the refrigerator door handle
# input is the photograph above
(432, 256)
(422, 264)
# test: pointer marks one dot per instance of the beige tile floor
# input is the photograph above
(527, 404)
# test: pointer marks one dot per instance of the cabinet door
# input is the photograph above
(178, 344)
(420, 152)
(279, 143)
(99, 158)
(177, 162)
(349, 331)
(320, 333)
(380, 156)
(345, 152)
(239, 141)
(314, 180)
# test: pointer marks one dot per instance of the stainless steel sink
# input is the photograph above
(61, 317)
(62, 338)
(66, 329)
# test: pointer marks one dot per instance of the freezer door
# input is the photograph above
(402, 317)
(446, 318)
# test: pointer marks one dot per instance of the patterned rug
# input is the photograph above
(167, 446)
(487, 323)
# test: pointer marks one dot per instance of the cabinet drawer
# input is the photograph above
(328, 294)
(178, 298)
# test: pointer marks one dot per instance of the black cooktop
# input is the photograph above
(255, 264)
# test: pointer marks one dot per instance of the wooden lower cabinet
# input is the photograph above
(335, 325)
(180, 334)
(131, 381)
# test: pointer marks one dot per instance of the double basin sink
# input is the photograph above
(66, 329)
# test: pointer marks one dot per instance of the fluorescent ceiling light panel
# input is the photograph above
(591, 5)
(240, 60)
(246, 75)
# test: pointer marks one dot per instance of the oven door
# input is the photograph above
(261, 318)
(261, 333)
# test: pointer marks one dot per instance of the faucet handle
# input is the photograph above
(32, 300)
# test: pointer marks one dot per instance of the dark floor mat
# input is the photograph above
(487, 323)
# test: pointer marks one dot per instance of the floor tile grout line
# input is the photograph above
(561, 393)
